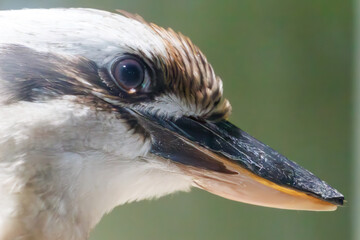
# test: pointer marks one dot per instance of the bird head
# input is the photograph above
(132, 111)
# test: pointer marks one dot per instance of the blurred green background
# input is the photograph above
(287, 70)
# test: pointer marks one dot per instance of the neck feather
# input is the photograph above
(63, 167)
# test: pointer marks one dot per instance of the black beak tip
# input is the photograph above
(337, 200)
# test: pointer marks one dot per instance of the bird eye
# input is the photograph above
(129, 74)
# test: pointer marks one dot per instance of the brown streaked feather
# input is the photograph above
(187, 72)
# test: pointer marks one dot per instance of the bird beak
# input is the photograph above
(226, 161)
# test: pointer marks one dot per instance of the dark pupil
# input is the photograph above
(129, 73)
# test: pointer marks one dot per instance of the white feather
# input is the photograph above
(89, 33)
(62, 166)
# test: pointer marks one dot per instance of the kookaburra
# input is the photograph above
(99, 109)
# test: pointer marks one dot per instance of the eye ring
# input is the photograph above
(130, 74)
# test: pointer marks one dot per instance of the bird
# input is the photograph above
(99, 109)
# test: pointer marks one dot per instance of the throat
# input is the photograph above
(69, 207)
(39, 204)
